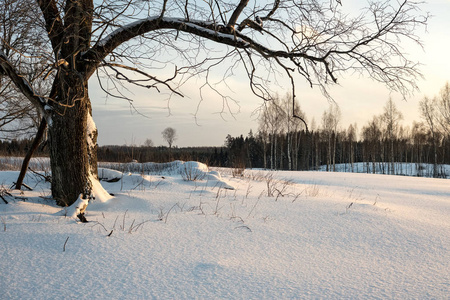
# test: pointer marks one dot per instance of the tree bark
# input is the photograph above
(73, 144)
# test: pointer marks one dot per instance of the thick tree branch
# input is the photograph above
(53, 24)
(276, 4)
(203, 29)
(7, 68)
(237, 12)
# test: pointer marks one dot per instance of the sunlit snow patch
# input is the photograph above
(189, 171)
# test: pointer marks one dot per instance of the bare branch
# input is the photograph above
(7, 68)
(120, 75)
(53, 23)
(237, 12)
(276, 3)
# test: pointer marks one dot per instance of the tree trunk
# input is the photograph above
(435, 156)
(34, 146)
(334, 151)
(264, 153)
(73, 144)
(289, 149)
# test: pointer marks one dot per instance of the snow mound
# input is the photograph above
(108, 174)
(194, 171)
(189, 171)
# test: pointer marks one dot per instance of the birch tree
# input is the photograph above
(351, 138)
(127, 40)
(330, 123)
(371, 134)
(443, 108)
(270, 125)
(293, 119)
(391, 118)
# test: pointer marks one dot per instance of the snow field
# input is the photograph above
(283, 235)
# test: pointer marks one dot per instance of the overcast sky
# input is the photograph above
(359, 99)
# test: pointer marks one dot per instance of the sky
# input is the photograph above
(203, 124)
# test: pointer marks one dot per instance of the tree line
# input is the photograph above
(383, 143)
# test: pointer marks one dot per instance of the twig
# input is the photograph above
(3, 198)
(131, 226)
(46, 178)
(243, 227)
(253, 207)
(98, 223)
(115, 221)
(136, 227)
(4, 223)
(123, 220)
(64, 247)
(167, 214)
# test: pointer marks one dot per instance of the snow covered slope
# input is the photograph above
(274, 236)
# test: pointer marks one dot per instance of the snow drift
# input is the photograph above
(277, 235)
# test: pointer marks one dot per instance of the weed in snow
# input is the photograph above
(4, 223)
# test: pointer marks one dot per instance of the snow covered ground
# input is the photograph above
(283, 235)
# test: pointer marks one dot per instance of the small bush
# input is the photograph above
(238, 169)
(190, 172)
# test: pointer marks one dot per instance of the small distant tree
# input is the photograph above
(351, 138)
(169, 135)
(148, 143)
(330, 123)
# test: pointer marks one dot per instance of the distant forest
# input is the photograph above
(307, 150)
(284, 142)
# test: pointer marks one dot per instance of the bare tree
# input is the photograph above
(391, 119)
(351, 139)
(17, 116)
(428, 112)
(419, 136)
(443, 108)
(330, 122)
(270, 123)
(291, 125)
(19, 32)
(313, 39)
(169, 135)
(371, 135)
(436, 113)
(148, 143)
